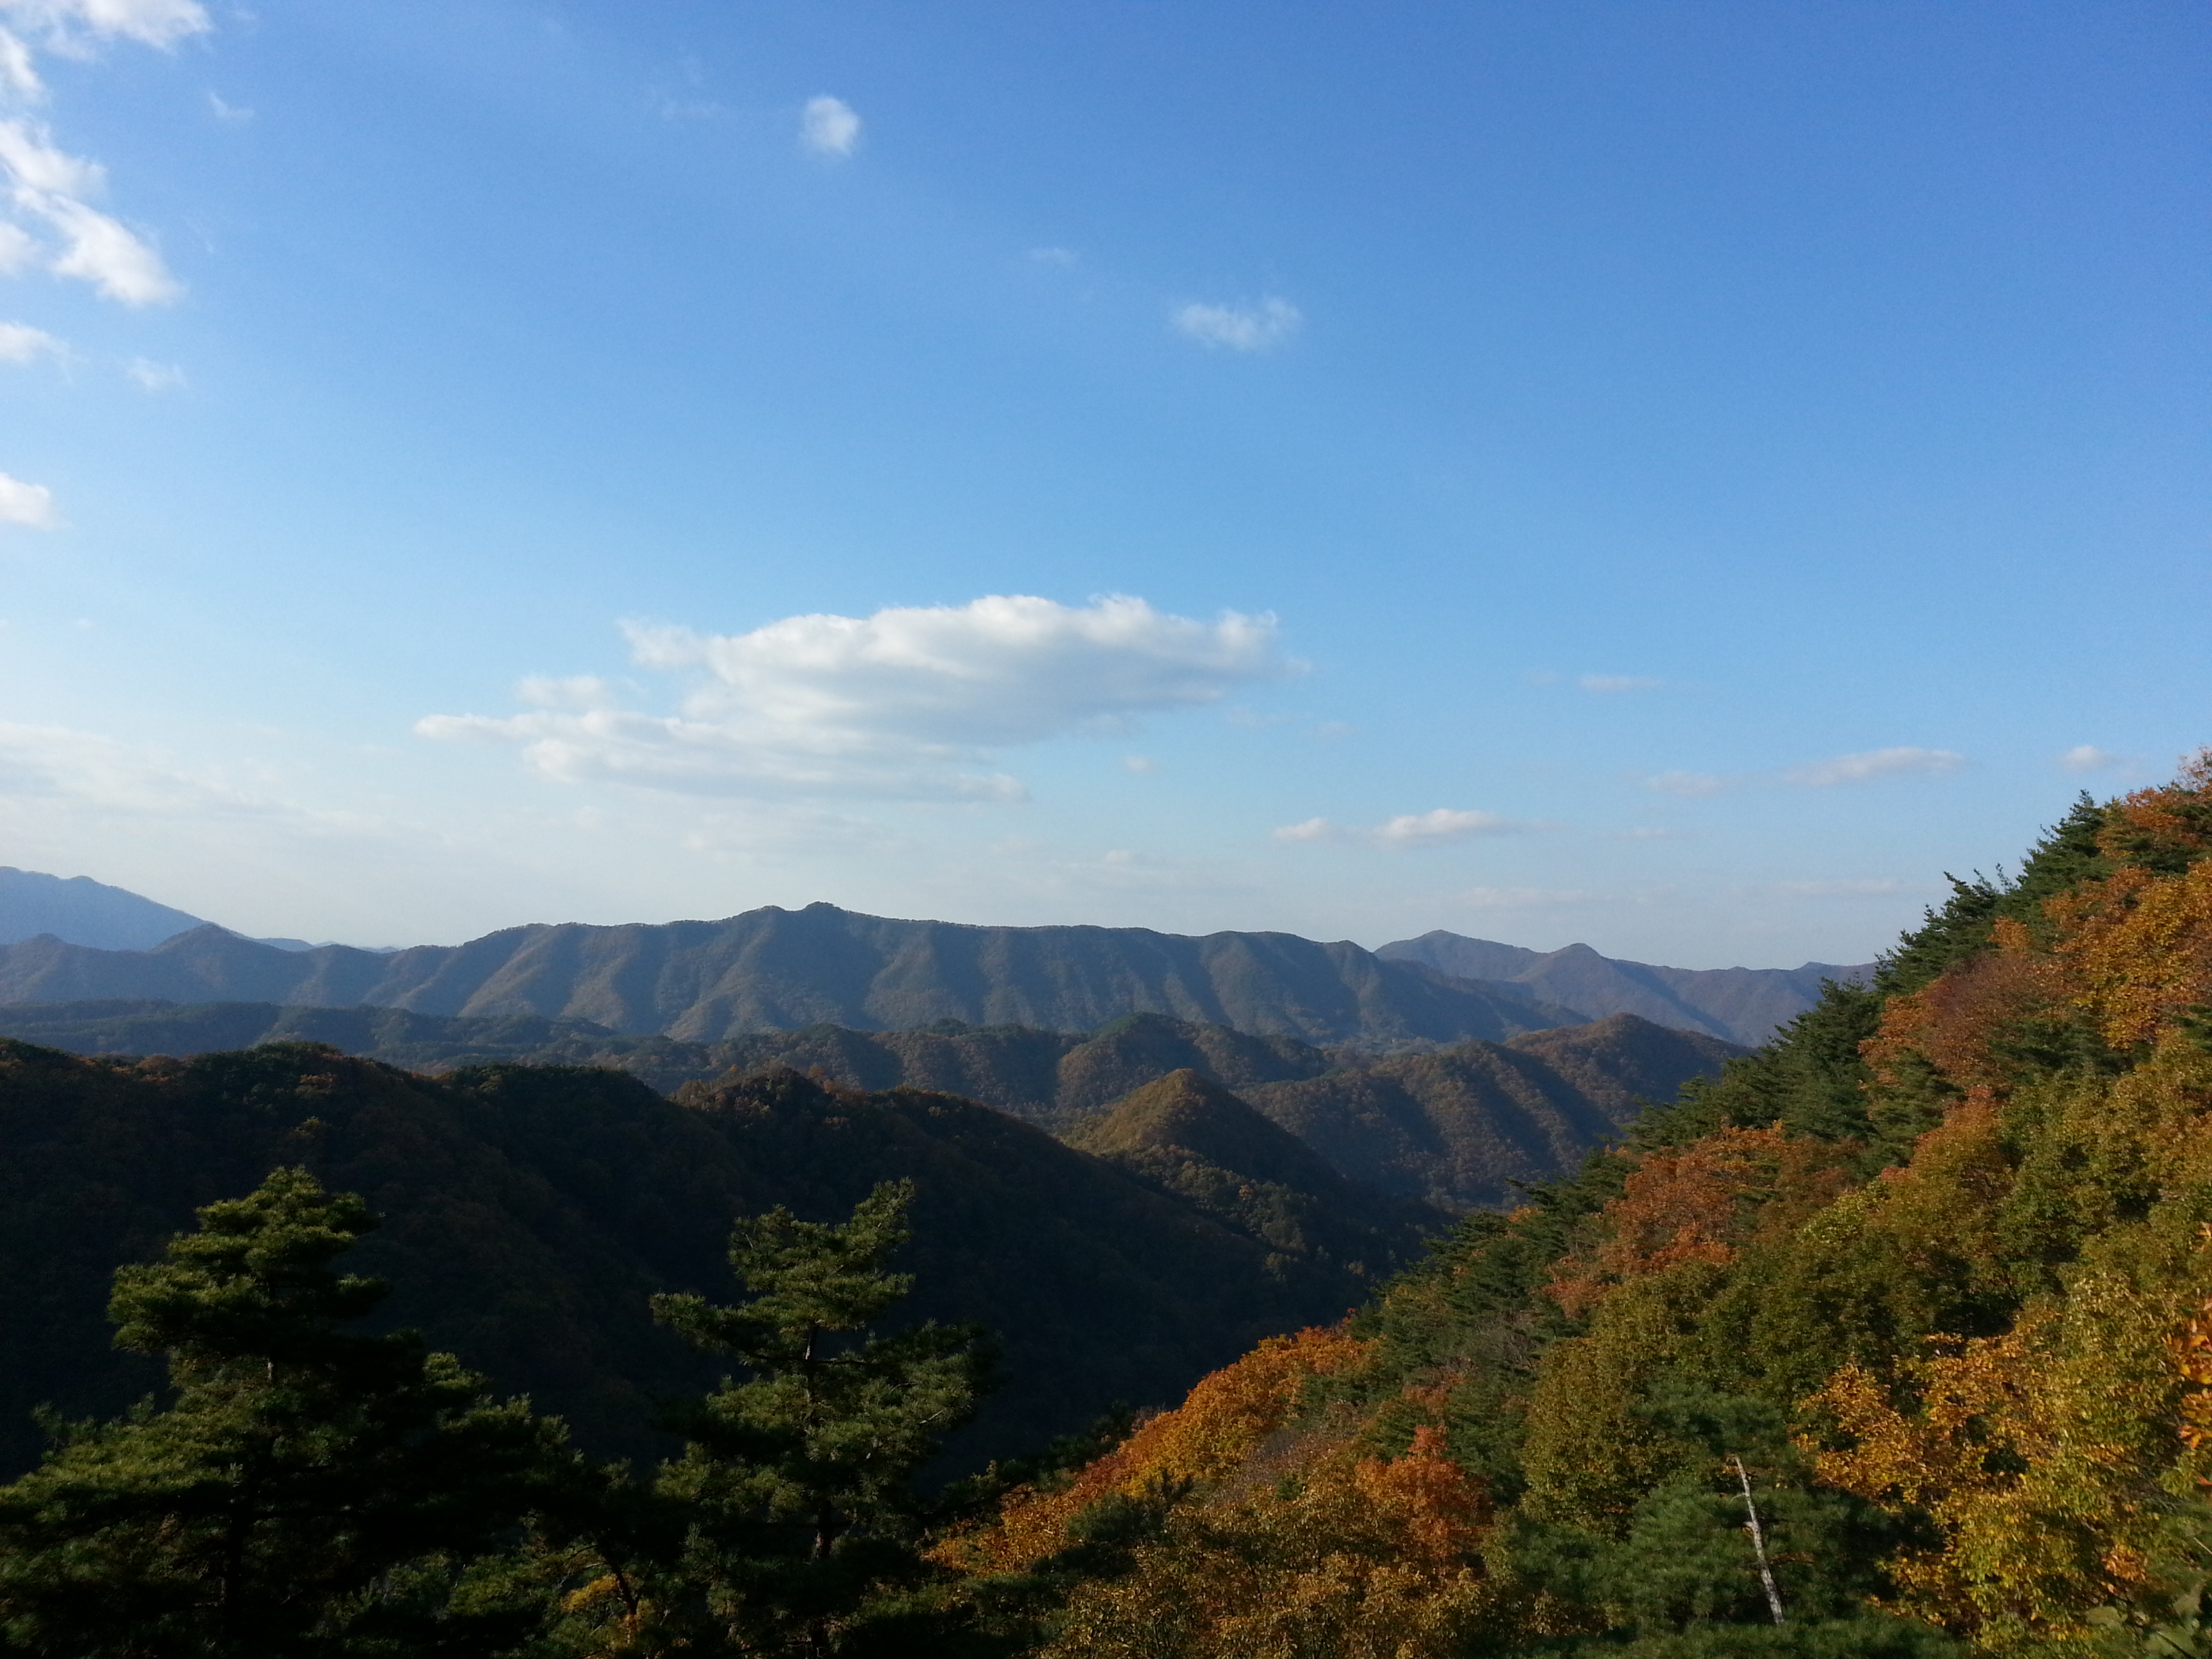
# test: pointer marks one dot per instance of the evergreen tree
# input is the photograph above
(308, 1491)
(798, 1479)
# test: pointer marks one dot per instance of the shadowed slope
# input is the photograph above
(530, 1211)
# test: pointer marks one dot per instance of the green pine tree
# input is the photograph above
(308, 1491)
(798, 1479)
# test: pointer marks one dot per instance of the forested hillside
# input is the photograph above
(774, 969)
(1893, 1338)
(529, 1212)
(1454, 1127)
(1921, 1290)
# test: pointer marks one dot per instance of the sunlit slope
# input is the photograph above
(1926, 1283)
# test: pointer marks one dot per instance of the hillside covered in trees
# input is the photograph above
(1893, 1338)
(1453, 1126)
(528, 1213)
(774, 969)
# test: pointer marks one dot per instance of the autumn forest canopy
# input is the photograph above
(1892, 1338)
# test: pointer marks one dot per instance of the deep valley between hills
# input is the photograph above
(1141, 1162)
(1136, 1154)
(1208, 1187)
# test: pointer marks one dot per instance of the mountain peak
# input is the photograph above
(1188, 1112)
(78, 910)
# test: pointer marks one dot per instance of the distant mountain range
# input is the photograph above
(78, 910)
(774, 969)
(84, 912)
(1453, 1127)
(1743, 1005)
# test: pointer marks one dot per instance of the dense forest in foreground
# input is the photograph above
(1895, 1339)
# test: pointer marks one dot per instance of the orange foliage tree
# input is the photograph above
(1223, 1420)
(1698, 1204)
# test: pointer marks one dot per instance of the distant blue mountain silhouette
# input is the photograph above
(83, 911)
(776, 970)
(1744, 1004)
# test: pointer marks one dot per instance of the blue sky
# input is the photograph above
(1680, 477)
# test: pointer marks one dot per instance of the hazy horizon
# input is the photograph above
(1674, 478)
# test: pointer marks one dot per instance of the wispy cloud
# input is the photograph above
(55, 190)
(26, 504)
(2087, 757)
(1064, 258)
(52, 186)
(74, 26)
(908, 701)
(830, 126)
(1613, 685)
(1524, 898)
(1251, 328)
(154, 377)
(230, 114)
(1140, 764)
(1875, 763)
(58, 763)
(1862, 768)
(22, 343)
(1438, 825)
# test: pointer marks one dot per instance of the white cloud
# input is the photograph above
(28, 504)
(66, 24)
(52, 185)
(908, 702)
(576, 691)
(112, 259)
(830, 126)
(1523, 898)
(2087, 757)
(1607, 683)
(1140, 763)
(1429, 828)
(154, 377)
(53, 763)
(1261, 328)
(35, 165)
(16, 71)
(1440, 824)
(230, 114)
(1062, 256)
(1690, 785)
(22, 343)
(16, 248)
(1875, 763)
